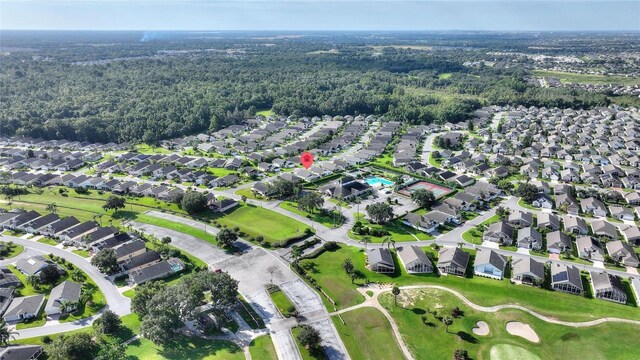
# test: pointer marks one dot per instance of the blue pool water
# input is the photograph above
(376, 181)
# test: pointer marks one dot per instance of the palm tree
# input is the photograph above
(33, 280)
(99, 217)
(447, 322)
(86, 295)
(390, 242)
(296, 252)
(395, 291)
(365, 239)
(5, 333)
(65, 306)
(78, 276)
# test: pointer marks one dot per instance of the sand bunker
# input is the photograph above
(481, 328)
(523, 330)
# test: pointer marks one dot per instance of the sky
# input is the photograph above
(544, 15)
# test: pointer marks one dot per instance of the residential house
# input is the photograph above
(548, 221)
(604, 229)
(156, 271)
(380, 260)
(66, 294)
(566, 278)
(623, 253)
(6, 297)
(453, 261)
(24, 308)
(621, 213)
(526, 270)
(21, 352)
(566, 202)
(32, 266)
(558, 242)
(346, 188)
(129, 250)
(8, 279)
(499, 232)
(575, 225)
(608, 287)
(590, 248)
(631, 233)
(415, 260)
(520, 219)
(222, 205)
(529, 238)
(593, 206)
(489, 263)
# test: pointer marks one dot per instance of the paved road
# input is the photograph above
(255, 269)
(121, 305)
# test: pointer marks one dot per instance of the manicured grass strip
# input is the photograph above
(48, 241)
(186, 229)
(262, 348)
(282, 302)
(325, 220)
(307, 354)
(474, 236)
(15, 251)
(129, 293)
(254, 221)
(327, 270)
(367, 334)
(396, 229)
(83, 253)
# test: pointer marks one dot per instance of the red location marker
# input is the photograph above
(306, 159)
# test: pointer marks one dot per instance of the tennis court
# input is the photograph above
(438, 190)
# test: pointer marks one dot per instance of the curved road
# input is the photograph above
(117, 303)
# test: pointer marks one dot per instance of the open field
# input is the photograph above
(567, 77)
(327, 221)
(414, 316)
(367, 334)
(327, 270)
(266, 113)
(185, 348)
(255, 221)
(398, 231)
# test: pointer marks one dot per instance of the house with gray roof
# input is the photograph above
(380, 260)
(589, 248)
(631, 233)
(8, 279)
(156, 271)
(608, 287)
(34, 226)
(6, 296)
(520, 219)
(575, 225)
(566, 278)
(529, 238)
(23, 308)
(21, 352)
(604, 229)
(593, 206)
(499, 232)
(621, 213)
(623, 253)
(558, 242)
(67, 292)
(489, 263)
(526, 270)
(32, 265)
(453, 261)
(415, 260)
(548, 221)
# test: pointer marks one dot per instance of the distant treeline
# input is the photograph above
(157, 96)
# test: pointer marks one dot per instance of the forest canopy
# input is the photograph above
(113, 87)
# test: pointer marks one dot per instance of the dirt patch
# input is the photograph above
(523, 330)
(481, 328)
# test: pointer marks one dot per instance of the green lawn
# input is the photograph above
(419, 327)
(146, 149)
(15, 251)
(474, 236)
(199, 233)
(48, 241)
(444, 76)
(307, 354)
(281, 301)
(367, 334)
(262, 348)
(38, 321)
(397, 230)
(568, 77)
(185, 348)
(254, 220)
(248, 193)
(129, 293)
(523, 204)
(266, 113)
(83, 253)
(327, 221)
(326, 269)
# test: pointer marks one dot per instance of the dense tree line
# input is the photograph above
(150, 93)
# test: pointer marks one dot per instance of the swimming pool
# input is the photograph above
(376, 181)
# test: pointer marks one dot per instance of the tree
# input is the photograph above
(112, 351)
(389, 241)
(166, 240)
(296, 252)
(423, 197)
(283, 188)
(33, 280)
(528, 192)
(380, 212)
(310, 202)
(86, 295)
(447, 322)
(243, 198)
(226, 238)
(460, 354)
(108, 323)
(114, 203)
(77, 346)
(193, 202)
(49, 275)
(5, 333)
(309, 337)
(505, 185)
(365, 240)
(65, 306)
(52, 208)
(106, 261)
(395, 291)
(347, 266)
(144, 293)
(502, 212)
